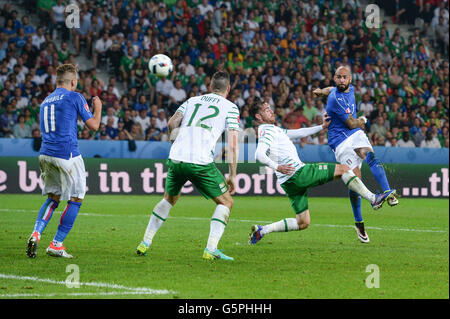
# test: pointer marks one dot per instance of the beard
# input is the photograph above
(343, 87)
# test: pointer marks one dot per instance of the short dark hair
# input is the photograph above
(220, 81)
(255, 107)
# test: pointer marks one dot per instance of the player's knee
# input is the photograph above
(171, 199)
(303, 220)
(303, 224)
(225, 200)
(231, 203)
(341, 169)
(56, 198)
(372, 160)
(76, 199)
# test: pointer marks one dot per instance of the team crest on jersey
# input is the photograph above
(86, 107)
(261, 133)
(238, 119)
(348, 111)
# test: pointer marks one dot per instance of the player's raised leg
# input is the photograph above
(379, 173)
(158, 217)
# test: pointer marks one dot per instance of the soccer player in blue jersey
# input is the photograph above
(61, 164)
(349, 143)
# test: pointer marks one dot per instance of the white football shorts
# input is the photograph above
(63, 177)
(345, 152)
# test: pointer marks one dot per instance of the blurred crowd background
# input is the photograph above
(278, 51)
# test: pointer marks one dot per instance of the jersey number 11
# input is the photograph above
(52, 118)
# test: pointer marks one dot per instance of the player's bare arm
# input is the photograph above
(322, 92)
(174, 122)
(94, 122)
(352, 123)
(232, 157)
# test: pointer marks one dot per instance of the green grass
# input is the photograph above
(409, 243)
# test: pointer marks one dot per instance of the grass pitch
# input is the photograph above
(409, 245)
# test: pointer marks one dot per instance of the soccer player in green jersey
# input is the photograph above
(200, 122)
(276, 150)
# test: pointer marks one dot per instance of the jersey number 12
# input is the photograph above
(199, 122)
(51, 127)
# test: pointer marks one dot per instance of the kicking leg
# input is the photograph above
(378, 173)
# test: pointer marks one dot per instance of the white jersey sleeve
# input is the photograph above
(278, 149)
(233, 118)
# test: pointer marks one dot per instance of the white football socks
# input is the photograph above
(219, 221)
(287, 224)
(158, 217)
(355, 184)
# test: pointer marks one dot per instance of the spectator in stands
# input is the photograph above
(430, 141)
(21, 129)
(276, 51)
(405, 140)
(143, 119)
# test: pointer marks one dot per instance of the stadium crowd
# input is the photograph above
(279, 51)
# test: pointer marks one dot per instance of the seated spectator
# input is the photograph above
(136, 132)
(112, 131)
(405, 141)
(430, 141)
(141, 104)
(143, 119)
(21, 129)
(161, 121)
(110, 114)
(379, 127)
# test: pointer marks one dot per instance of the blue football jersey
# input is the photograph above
(339, 106)
(58, 121)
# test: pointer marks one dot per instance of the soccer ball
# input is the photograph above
(160, 65)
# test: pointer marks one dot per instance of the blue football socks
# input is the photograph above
(355, 200)
(45, 214)
(378, 171)
(66, 221)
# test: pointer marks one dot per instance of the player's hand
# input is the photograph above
(286, 169)
(317, 93)
(363, 121)
(97, 103)
(326, 121)
(230, 183)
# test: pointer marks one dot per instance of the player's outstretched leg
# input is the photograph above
(355, 184)
(44, 216)
(218, 223)
(70, 213)
(379, 174)
(300, 222)
(158, 217)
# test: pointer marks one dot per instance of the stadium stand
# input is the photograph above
(279, 51)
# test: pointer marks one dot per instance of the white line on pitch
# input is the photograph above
(77, 294)
(143, 290)
(246, 221)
